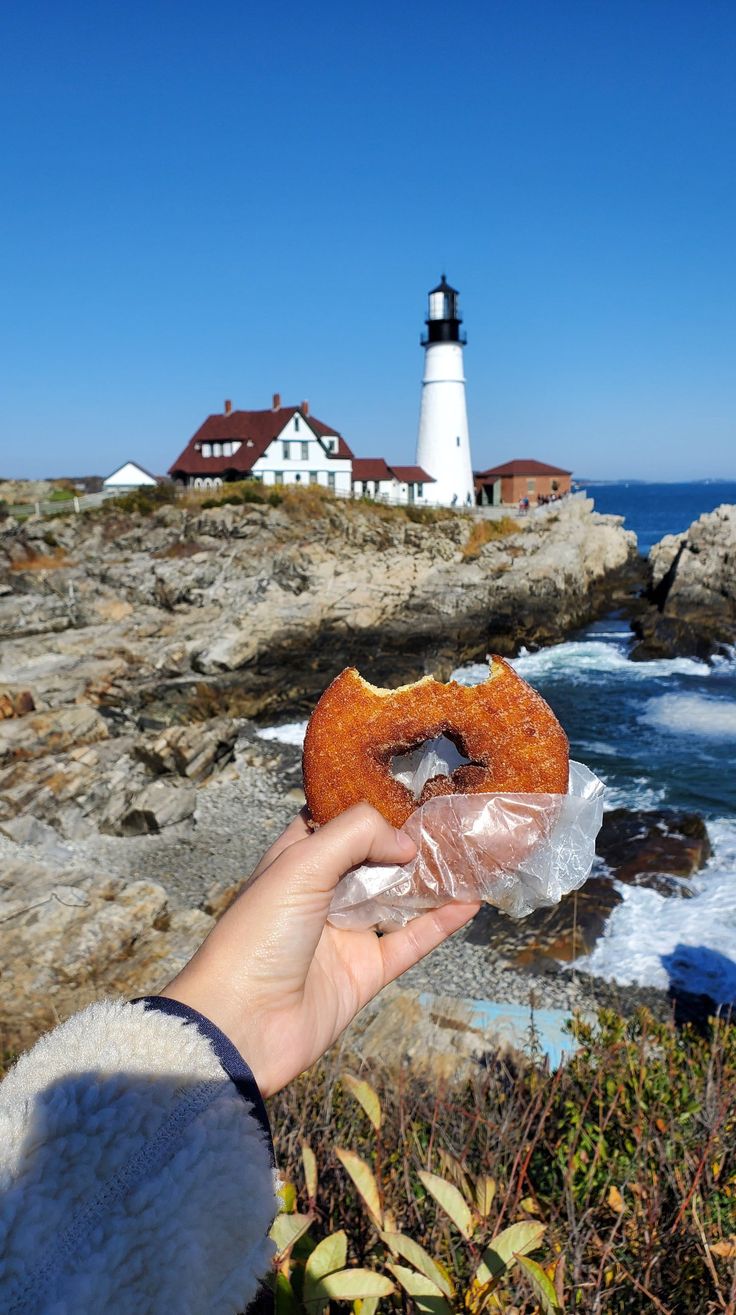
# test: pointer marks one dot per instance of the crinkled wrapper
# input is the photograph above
(518, 852)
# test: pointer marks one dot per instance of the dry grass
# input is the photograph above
(55, 561)
(487, 531)
(305, 502)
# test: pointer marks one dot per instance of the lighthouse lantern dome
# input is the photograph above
(443, 316)
(444, 302)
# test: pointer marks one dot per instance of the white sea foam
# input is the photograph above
(654, 940)
(578, 660)
(635, 792)
(291, 732)
(692, 714)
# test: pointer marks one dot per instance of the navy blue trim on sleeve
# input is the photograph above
(231, 1059)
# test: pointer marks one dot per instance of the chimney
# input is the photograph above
(276, 402)
(304, 408)
(228, 406)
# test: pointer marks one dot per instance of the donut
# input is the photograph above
(510, 736)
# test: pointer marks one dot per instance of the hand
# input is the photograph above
(273, 974)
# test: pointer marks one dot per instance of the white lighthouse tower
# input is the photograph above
(443, 445)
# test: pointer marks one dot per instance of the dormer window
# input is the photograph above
(217, 449)
(206, 449)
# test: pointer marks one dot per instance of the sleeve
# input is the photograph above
(136, 1168)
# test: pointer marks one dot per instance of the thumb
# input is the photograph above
(317, 863)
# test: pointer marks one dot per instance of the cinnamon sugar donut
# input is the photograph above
(511, 737)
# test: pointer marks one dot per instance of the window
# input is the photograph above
(278, 477)
(286, 451)
(313, 478)
(331, 480)
(420, 490)
(329, 444)
(298, 478)
(305, 451)
(531, 486)
(296, 424)
(217, 449)
(457, 441)
(206, 449)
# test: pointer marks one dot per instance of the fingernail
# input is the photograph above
(404, 842)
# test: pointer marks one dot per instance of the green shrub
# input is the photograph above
(627, 1153)
(143, 501)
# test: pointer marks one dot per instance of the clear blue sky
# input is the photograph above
(219, 200)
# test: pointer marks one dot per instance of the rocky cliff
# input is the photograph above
(692, 590)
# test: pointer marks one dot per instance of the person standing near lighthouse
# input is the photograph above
(443, 445)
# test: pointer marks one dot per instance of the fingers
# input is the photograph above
(358, 835)
(402, 949)
(296, 830)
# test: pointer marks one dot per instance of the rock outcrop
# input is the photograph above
(251, 610)
(68, 937)
(692, 591)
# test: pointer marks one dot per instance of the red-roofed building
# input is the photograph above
(374, 478)
(287, 445)
(524, 478)
(283, 445)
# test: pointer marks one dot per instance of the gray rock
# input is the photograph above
(692, 591)
(159, 805)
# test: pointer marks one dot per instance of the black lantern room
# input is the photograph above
(443, 317)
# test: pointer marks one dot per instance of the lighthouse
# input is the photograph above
(443, 445)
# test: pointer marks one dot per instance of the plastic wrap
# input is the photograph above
(518, 852)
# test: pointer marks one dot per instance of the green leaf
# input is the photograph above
(330, 1254)
(286, 1302)
(542, 1285)
(366, 1095)
(451, 1201)
(364, 1179)
(287, 1229)
(513, 1241)
(287, 1192)
(347, 1285)
(485, 1190)
(453, 1169)
(401, 1245)
(423, 1292)
(366, 1306)
(309, 1160)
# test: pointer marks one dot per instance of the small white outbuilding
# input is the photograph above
(129, 476)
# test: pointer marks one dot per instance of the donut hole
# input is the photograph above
(437, 757)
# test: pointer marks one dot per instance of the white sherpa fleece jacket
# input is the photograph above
(135, 1169)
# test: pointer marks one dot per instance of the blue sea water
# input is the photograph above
(653, 510)
(659, 733)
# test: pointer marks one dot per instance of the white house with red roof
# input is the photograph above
(283, 445)
(288, 445)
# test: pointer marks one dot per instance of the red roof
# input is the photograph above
(522, 466)
(254, 430)
(413, 475)
(370, 468)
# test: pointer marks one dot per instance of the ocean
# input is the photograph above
(659, 733)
